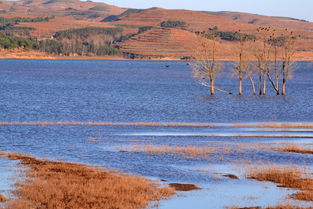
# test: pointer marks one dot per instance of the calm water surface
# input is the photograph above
(147, 91)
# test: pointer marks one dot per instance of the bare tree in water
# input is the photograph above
(242, 66)
(206, 67)
(262, 54)
(276, 43)
(288, 51)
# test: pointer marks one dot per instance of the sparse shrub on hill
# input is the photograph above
(144, 29)
(58, 1)
(85, 33)
(87, 14)
(98, 8)
(173, 24)
(228, 36)
(18, 31)
(9, 22)
(8, 42)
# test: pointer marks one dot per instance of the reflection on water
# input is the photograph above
(132, 91)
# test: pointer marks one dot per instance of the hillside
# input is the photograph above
(278, 22)
(144, 33)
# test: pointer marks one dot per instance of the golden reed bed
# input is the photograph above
(49, 184)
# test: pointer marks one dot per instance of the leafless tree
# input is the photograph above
(206, 67)
(276, 43)
(262, 53)
(288, 51)
(242, 66)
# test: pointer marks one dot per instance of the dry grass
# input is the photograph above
(63, 185)
(292, 148)
(184, 187)
(3, 198)
(186, 152)
(286, 176)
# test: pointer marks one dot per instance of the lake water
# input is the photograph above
(148, 91)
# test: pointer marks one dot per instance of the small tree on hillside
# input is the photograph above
(206, 67)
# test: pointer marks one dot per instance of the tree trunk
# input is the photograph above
(283, 91)
(264, 84)
(260, 85)
(240, 86)
(271, 81)
(277, 80)
(212, 87)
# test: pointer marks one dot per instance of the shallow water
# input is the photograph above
(147, 91)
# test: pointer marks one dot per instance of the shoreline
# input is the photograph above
(43, 56)
(120, 59)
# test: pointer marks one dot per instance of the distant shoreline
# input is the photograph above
(31, 55)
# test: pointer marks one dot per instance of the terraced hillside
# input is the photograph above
(158, 42)
(194, 20)
(75, 8)
(163, 43)
(278, 22)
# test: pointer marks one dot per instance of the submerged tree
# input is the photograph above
(206, 67)
(288, 51)
(242, 68)
(262, 55)
(276, 43)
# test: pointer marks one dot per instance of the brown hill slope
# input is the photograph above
(163, 43)
(279, 22)
(195, 20)
(74, 8)
(157, 42)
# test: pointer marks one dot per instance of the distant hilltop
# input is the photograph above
(86, 28)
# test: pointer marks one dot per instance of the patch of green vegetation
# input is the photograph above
(98, 8)
(289, 18)
(59, 1)
(83, 33)
(228, 36)
(130, 11)
(234, 36)
(144, 29)
(210, 12)
(9, 42)
(112, 18)
(18, 31)
(3, 11)
(126, 26)
(27, 2)
(88, 14)
(173, 24)
(6, 23)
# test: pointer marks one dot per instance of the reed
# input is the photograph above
(64, 185)
(186, 152)
(289, 176)
(293, 148)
